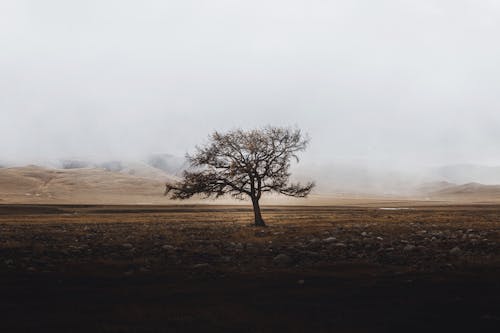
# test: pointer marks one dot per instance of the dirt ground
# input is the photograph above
(77, 268)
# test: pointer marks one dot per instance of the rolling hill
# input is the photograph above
(142, 183)
(34, 184)
(470, 192)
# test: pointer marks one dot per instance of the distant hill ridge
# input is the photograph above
(470, 189)
(82, 185)
(77, 181)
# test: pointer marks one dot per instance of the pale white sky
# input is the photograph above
(391, 81)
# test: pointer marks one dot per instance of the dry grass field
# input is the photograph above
(87, 268)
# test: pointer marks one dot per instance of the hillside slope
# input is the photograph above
(144, 184)
(471, 192)
(33, 184)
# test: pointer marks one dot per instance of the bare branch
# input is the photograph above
(244, 163)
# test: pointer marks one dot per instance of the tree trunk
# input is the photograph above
(259, 222)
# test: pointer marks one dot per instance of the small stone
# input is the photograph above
(238, 246)
(301, 282)
(127, 245)
(211, 249)
(310, 253)
(409, 248)
(364, 234)
(455, 251)
(168, 247)
(225, 259)
(329, 239)
(204, 265)
(282, 260)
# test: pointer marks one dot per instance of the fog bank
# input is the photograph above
(396, 85)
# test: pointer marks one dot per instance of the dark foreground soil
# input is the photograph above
(203, 268)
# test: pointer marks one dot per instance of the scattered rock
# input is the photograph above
(310, 253)
(168, 247)
(455, 251)
(225, 259)
(329, 239)
(211, 249)
(127, 245)
(409, 248)
(237, 246)
(282, 260)
(260, 233)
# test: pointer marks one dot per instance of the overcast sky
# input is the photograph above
(389, 81)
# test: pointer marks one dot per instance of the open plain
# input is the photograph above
(89, 268)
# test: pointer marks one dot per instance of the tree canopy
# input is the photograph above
(244, 163)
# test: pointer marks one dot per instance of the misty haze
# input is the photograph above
(387, 108)
(257, 166)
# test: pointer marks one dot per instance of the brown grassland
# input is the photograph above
(89, 268)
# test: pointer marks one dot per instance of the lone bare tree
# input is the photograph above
(244, 163)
